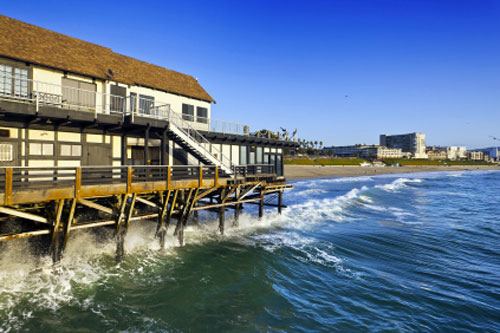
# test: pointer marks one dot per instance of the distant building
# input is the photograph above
(456, 153)
(436, 153)
(492, 152)
(475, 155)
(413, 143)
(365, 151)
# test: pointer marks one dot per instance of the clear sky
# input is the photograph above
(342, 72)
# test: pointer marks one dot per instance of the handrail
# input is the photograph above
(176, 120)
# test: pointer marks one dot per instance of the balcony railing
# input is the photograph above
(71, 98)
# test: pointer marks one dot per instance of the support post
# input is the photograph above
(237, 208)
(261, 205)
(280, 201)
(8, 186)
(67, 228)
(55, 237)
(123, 228)
(179, 229)
(161, 231)
(222, 217)
(172, 207)
(124, 150)
(164, 148)
(146, 146)
(236, 222)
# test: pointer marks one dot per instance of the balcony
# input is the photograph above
(66, 97)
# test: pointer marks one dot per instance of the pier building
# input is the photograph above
(83, 128)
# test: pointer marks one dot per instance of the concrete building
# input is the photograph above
(413, 143)
(454, 153)
(365, 151)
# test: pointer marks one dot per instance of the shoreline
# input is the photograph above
(296, 172)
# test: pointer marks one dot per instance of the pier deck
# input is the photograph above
(53, 201)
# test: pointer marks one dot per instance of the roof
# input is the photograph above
(29, 43)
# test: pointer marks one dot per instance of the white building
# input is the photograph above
(456, 153)
(413, 143)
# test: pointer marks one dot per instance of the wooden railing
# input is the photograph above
(14, 179)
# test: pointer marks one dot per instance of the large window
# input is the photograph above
(13, 81)
(188, 112)
(79, 93)
(202, 115)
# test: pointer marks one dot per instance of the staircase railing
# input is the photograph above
(193, 134)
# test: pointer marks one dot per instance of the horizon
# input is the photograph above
(341, 72)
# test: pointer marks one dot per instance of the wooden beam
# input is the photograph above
(94, 205)
(250, 190)
(204, 194)
(24, 215)
(24, 235)
(229, 193)
(147, 202)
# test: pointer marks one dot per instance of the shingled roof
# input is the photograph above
(29, 43)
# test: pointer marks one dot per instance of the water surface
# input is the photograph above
(413, 252)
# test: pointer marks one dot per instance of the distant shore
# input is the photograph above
(293, 172)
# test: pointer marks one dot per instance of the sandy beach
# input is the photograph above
(293, 172)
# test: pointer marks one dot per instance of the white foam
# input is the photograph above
(398, 184)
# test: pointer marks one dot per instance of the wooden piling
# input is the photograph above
(280, 201)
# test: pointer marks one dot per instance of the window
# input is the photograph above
(71, 150)
(5, 79)
(41, 149)
(202, 115)
(79, 93)
(243, 155)
(21, 82)
(133, 98)
(259, 155)
(146, 104)
(117, 98)
(188, 112)
(6, 154)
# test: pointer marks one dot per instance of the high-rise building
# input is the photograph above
(413, 143)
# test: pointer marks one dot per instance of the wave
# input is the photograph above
(398, 184)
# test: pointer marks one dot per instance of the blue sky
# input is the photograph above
(406, 65)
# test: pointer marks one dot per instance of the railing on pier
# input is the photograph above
(14, 179)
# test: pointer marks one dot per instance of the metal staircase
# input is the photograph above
(183, 134)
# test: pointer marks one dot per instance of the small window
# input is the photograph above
(188, 112)
(39, 149)
(71, 150)
(202, 115)
(6, 154)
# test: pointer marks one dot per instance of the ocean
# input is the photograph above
(401, 253)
